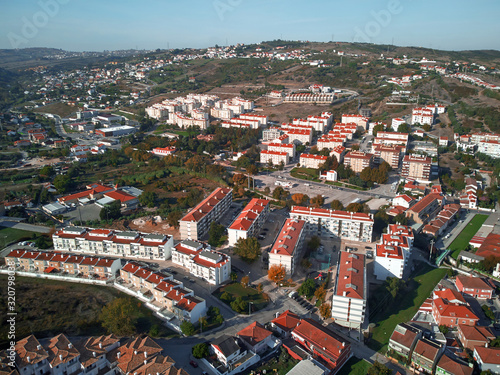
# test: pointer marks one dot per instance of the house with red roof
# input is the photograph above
(196, 223)
(404, 338)
(321, 344)
(452, 366)
(250, 221)
(452, 314)
(232, 356)
(350, 292)
(403, 200)
(285, 323)
(426, 355)
(425, 209)
(288, 246)
(487, 359)
(472, 336)
(389, 262)
(257, 339)
(474, 286)
(490, 246)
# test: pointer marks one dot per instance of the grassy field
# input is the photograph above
(247, 294)
(355, 366)
(309, 174)
(61, 109)
(463, 239)
(49, 307)
(10, 235)
(418, 290)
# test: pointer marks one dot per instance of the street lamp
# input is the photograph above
(249, 309)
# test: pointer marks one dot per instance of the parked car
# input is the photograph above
(193, 363)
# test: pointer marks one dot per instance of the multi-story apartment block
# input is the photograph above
(391, 139)
(357, 119)
(396, 122)
(162, 292)
(350, 293)
(490, 148)
(283, 147)
(391, 154)
(202, 261)
(250, 221)
(330, 142)
(110, 242)
(301, 136)
(401, 236)
(332, 224)
(196, 223)
(417, 167)
(358, 160)
(389, 262)
(312, 161)
(339, 153)
(425, 209)
(276, 157)
(288, 246)
(262, 119)
(271, 134)
(422, 116)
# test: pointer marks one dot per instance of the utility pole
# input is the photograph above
(430, 251)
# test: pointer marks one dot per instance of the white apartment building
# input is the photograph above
(201, 261)
(288, 246)
(422, 116)
(115, 243)
(490, 148)
(399, 236)
(262, 119)
(271, 134)
(339, 153)
(300, 136)
(331, 224)
(396, 122)
(311, 161)
(350, 293)
(157, 111)
(389, 262)
(250, 221)
(196, 223)
(276, 157)
(390, 139)
(330, 142)
(283, 147)
(163, 151)
(359, 120)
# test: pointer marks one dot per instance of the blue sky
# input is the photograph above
(90, 25)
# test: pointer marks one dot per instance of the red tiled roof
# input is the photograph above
(474, 282)
(453, 367)
(288, 237)
(450, 295)
(488, 355)
(249, 214)
(286, 321)
(131, 267)
(119, 195)
(322, 212)
(350, 278)
(490, 246)
(206, 205)
(476, 333)
(424, 202)
(454, 310)
(254, 333)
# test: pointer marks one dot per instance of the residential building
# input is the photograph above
(443, 219)
(490, 148)
(332, 224)
(452, 314)
(389, 262)
(468, 199)
(321, 343)
(338, 152)
(271, 134)
(309, 367)
(110, 242)
(359, 120)
(250, 221)
(330, 142)
(350, 292)
(425, 209)
(203, 262)
(163, 151)
(391, 138)
(417, 167)
(391, 154)
(328, 175)
(472, 336)
(358, 160)
(285, 323)
(311, 161)
(275, 157)
(422, 116)
(396, 122)
(474, 286)
(299, 136)
(403, 200)
(426, 355)
(283, 147)
(404, 338)
(196, 223)
(288, 246)
(452, 366)
(232, 356)
(487, 359)
(401, 236)
(256, 338)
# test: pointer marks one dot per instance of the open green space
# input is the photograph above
(403, 309)
(309, 174)
(49, 307)
(10, 235)
(463, 239)
(355, 366)
(248, 295)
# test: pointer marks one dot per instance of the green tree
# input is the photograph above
(307, 288)
(148, 199)
(394, 286)
(119, 317)
(173, 218)
(233, 276)
(200, 350)
(239, 305)
(111, 211)
(314, 243)
(248, 249)
(378, 369)
(279, 193)
(187, 328)
(378, 128)
(443, 329)
(62, 183)
(226, 297)
(215, 234)
(337, 205)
